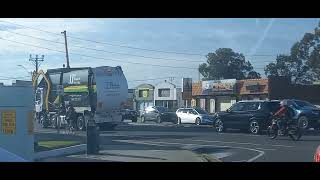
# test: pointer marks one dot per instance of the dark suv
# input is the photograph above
(307, 114)
(252, 116)
(158, 114)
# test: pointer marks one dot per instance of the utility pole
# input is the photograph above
(66, 45)
(36, 61)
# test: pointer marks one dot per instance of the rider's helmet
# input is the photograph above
(284, 102)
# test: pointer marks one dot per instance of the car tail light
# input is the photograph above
(317, 155)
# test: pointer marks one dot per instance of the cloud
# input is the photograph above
(262, 38)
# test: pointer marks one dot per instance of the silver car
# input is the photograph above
(193, 115)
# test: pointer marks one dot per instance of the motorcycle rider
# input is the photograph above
(283, 115)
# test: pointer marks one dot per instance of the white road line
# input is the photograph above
(261, 153)
(232, 142)
(221, 155)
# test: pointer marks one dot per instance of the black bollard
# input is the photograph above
(93, 136)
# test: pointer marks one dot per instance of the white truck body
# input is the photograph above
(112, 93)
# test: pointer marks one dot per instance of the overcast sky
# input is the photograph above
(190, 39)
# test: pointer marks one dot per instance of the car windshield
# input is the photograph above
(304, 104)
(201, 111)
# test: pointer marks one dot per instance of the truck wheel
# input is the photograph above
(86, 119)
(159, 119)
(134, 119)
(81, 123)
(143, 119)
(43, 121)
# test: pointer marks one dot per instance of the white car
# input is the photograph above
(193, 115)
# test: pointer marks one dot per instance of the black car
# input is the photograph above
(158, 114)
(129, 114)
(252, 116)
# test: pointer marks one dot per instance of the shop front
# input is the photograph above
(253, 89)
(215, 95)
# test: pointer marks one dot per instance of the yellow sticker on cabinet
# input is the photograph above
(8, 124)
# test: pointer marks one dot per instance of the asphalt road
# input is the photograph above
(231, 146)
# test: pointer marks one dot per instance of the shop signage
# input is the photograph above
(226, 86)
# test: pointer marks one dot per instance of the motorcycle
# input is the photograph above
(292, 130)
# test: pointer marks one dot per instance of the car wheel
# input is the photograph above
(159, 119)
(179, 121)
(80, 123)
(254, 127)
(218, 125)
(143, 119)
(198, 121)
(303, 122)
(134, 119)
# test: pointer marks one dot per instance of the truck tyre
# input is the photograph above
(86, 119)
(43, 121)
(81, 124)
(135, 119)
(159, 119)
(143, 119)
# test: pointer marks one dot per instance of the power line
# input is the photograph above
(124, 46)
(88, 48)
(152, 79)
(101, 50)
(97, 57)
(156, 65)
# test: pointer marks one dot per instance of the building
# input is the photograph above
(186, 92)
(214, 95)
(22, 83)
(253, 89)
(281, 87)
(143, 96)
(166, 94)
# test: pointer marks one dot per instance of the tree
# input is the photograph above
(226, 64)
(303, 62)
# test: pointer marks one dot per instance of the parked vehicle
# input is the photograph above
(291, 129)
(129, 114)
(317, 155)
(100, 92)
(193, 115)
(306, 113)
(252, 116)
(158, 114)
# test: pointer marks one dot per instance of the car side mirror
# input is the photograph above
(228, 110)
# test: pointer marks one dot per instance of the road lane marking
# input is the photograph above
(261, 153)
(221, 155)
(232, 142)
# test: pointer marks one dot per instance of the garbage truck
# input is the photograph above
(99, 92)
